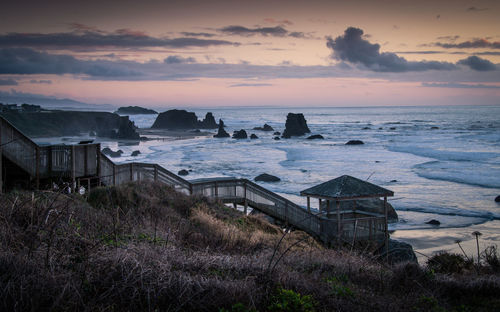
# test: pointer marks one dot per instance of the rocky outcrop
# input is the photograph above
(253, 136)
(355, 142)
(182, 119)
(497, 199)
(277, 133)
(208, 122)
(135, 110)
(276, 138)
(433, 222)
(126, 130)
(399, 252)
(135, 153)
(266, 127)
(315, 137)
(267, 178)
(109, 152)
(296, 125)
(242, 134)
(221, 133)
(183, 172)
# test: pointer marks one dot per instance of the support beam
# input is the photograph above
(37, 166)
(339, 229)
(73, 168)
(1, 172)
(319, 208)
(386, 230)
(308, 204)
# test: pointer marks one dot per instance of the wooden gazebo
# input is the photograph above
(348, 222)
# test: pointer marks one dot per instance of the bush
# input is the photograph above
(448, 263)
(286, 300)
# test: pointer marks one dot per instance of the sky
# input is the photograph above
(195, 53)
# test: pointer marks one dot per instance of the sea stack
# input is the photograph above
(221, 133)
(176, 119)
(208, 122)
(296, 125)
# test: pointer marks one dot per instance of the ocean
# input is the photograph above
(442, 162)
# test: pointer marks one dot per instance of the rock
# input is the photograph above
(392, 128)
(366, 128)
(267, 178)
(372, 205)
(380, 128)
(135, 153)
(143, 138)
(433, 222)
(398, 252)
(393, 181)
(315, 137)
(127, 129)
(355, 142)
(183, 172)
(296, 125)
(277, 133)
(196, 131)
(497, 199)
(208, 122)
(266, 127)
(134, 110)
(434, 128)
(242, 134)
(221, 133)
(253, 136)
(109, 152)
(276, 138)
(176, 119)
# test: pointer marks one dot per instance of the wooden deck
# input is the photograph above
(81, 163)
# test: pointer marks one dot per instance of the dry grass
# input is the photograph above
(144, 247)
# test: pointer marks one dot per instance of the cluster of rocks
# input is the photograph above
(175, 119)
(109, 152)
(266, 127)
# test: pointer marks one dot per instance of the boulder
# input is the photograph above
(316, 137)
(266, 127)
(392, 128)
(296, 125)
(176, 119)
(355, 142)
(434, 128)
(183, 172)
(366, 128)
(399, 252)
(135, 153)
(253, 136)
(109, 152)
(208, 122)
(497, 199)
(267, 178)
(276, 138)
(277, 133)
(242, 134)
(221, 133)
(433, 222)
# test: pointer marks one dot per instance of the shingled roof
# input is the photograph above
(346, 187)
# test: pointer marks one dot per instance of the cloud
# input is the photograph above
(353, 48)
(122, 38)
(8, 82)
(271, 20)
(250, 85)
(471, 44)
(458, 85)
(477, 63)
(474, 9)
(449, 38)
(197, 34)
(41, 81)
(29, 61)
(176, 59)
(277, 31)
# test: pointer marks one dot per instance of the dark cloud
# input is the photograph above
(250, 85)
(8, 82)
(475, 9)
(41, 81)
(471, 44)
(477, 63)
(430, 52)
(198, 34)
(277, 31)
(176, 59)
(458, 85)
(352, 47)
(449, 38)
(280, 22)
(28, 61)
(124, 38)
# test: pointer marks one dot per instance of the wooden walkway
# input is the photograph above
(82, 163)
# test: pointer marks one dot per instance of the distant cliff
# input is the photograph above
(61, 123)
(134, 110)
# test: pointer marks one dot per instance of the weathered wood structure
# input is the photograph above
(86, 165)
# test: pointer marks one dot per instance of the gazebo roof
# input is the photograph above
(346, 187)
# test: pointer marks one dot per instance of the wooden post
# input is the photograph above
(73, 168)
(245, 196)
(328, 208)
(86, 160)
(386, 230)
(308, 204)
(49, 161)
(354, 208)
(286, 213)
(131, 172)
(98, 162)
(37, 159)
(114, 174)
(1, 172)
(216, 190)
(319, 208)
(156, 173)
(339, 230)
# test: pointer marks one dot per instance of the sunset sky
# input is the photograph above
(253, 53)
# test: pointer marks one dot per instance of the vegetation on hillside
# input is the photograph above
(145, 247)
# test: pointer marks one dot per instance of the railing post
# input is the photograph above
(37, 170)
(339, 230)
(155, 173)
(131, 172)
(73, 168)
(1, 172)
(86, 160)
(114, 174)
(216, 190)
(386, 230)
(245, 196)
(98, 164)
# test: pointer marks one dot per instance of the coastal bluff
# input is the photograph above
(181, 119)
(65, 123)
(135, 110)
